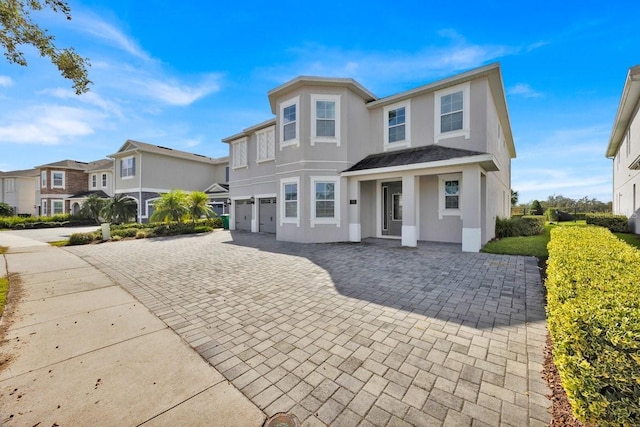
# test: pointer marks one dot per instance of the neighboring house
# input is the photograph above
(339, 164)
(144, 171)
(59, 183)
(18, 190)
(100, 182)
(624, 149)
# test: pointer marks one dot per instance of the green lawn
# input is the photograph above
(537, 245)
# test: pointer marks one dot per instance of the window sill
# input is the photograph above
(295, 221)
(450, 212)
(325, 221)
(127, 177)
(453, 134)
(288, 143)
(271, 159)
(325, 140)
(388, 146)
(240, 167)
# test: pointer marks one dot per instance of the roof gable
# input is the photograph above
(628, 102)
(131, 146)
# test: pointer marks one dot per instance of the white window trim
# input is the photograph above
(104, 180)
(43, 179)
(10, 185)
(53, 181)
(296, 141)
(336, 212)
(442, 210)
(236, 164)
(53, 206)
(94, 178)
(466, 108)
(45, 208)
(271, 130)
(406, 142)
(325, 139)
(283, 219)
(134, 168)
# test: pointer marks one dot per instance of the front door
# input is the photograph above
(392, 208)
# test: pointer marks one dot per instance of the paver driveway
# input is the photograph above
(350, 334)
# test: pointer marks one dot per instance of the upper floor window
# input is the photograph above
(397, 127)
(239, 153)
(57, 179)
(43, 179)
(266, 140)
(325, 118)
(128, 167)
(289, 123)
(452, 112)
(94, 181)
(10, 185)
(104, 180)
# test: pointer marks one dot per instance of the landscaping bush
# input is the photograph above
(202, 229)
(83, 238)
(593, 314)
(5, 209)
(124, 232)
(506, 227)
(531, 225)
(615, 223)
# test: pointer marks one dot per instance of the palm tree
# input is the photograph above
(92, 206)
(197, 205)
(120, 208)
(171, 206)
(514, 198)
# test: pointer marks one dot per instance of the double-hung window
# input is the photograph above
(452, 112)
(239, 153)
(43, 179)
(57, 179)
(104, 180)
(58, 207)
(290, 207)
(94, 181)
(325, 119)
(289, 122)
(325, 200)
(266, 140)
(397, 129)
(10, 185)
(128, 167)
(450, 190)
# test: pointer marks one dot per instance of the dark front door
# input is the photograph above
(267, 215)
(392, 208)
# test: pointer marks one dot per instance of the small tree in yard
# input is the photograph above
(536, 208)
(120, 208)
(197, 204)
(92, 206)
(5, 209)
(171, 206)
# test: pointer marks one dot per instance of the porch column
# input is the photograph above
(409, 211)
(255, 221)
(353, 209)
(471, 209)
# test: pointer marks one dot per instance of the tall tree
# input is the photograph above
(119, 209)
(171, 206)
(18, 29)
(514, 198)
(197, 205)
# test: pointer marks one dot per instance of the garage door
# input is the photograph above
(243, 215)
(267, 215)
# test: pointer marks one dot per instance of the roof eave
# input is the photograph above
(487, 161)
(626, 107)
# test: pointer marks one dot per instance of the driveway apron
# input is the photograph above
(350, 334)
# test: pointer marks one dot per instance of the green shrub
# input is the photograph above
(5, 209)
(124, 232)
(82, 238)
(141, 234)
(615, 223)
(506, 227)
(173, 228)
(531, 225)
(593, 313)
(202, 229)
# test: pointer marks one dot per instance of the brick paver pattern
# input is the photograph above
(369, 334)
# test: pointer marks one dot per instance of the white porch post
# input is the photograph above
(254, 219)
(232, 215)
(410, 198)
(353, 210)
(471, 209)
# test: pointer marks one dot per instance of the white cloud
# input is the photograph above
(48, 125)
(524, 90)
(102, 30)
(174, 93)
(90, 98)
(5, 81)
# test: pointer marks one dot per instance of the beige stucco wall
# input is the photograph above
(624, 179)
(23, 199)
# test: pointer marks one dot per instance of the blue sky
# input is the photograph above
(187, 74)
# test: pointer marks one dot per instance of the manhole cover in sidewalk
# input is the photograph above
(282, 420)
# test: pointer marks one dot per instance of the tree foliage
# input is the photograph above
(197, 205)
(120, 208)
(5, 209)
(536, 208)
(92, 206)
(17, 29)
(514, 198)
(171, 206)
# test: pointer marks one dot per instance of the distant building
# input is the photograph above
(19, 190)
(624, 149)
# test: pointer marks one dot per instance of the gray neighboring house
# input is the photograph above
(339, 164)
(624, 150)
(145, 171)
(20, 189)
(100, 182)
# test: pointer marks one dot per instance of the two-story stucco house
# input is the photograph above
(624, 149)
(19, 190)
(339, 164)
(99, 175)
(144, 171)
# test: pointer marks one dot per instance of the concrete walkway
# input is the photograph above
(80, 350)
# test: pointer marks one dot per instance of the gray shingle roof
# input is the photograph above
(409, 156)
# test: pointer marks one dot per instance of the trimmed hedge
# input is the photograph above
(593, 313)
(615, 223)
(519, 226)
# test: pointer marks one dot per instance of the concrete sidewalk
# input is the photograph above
(83, 351)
